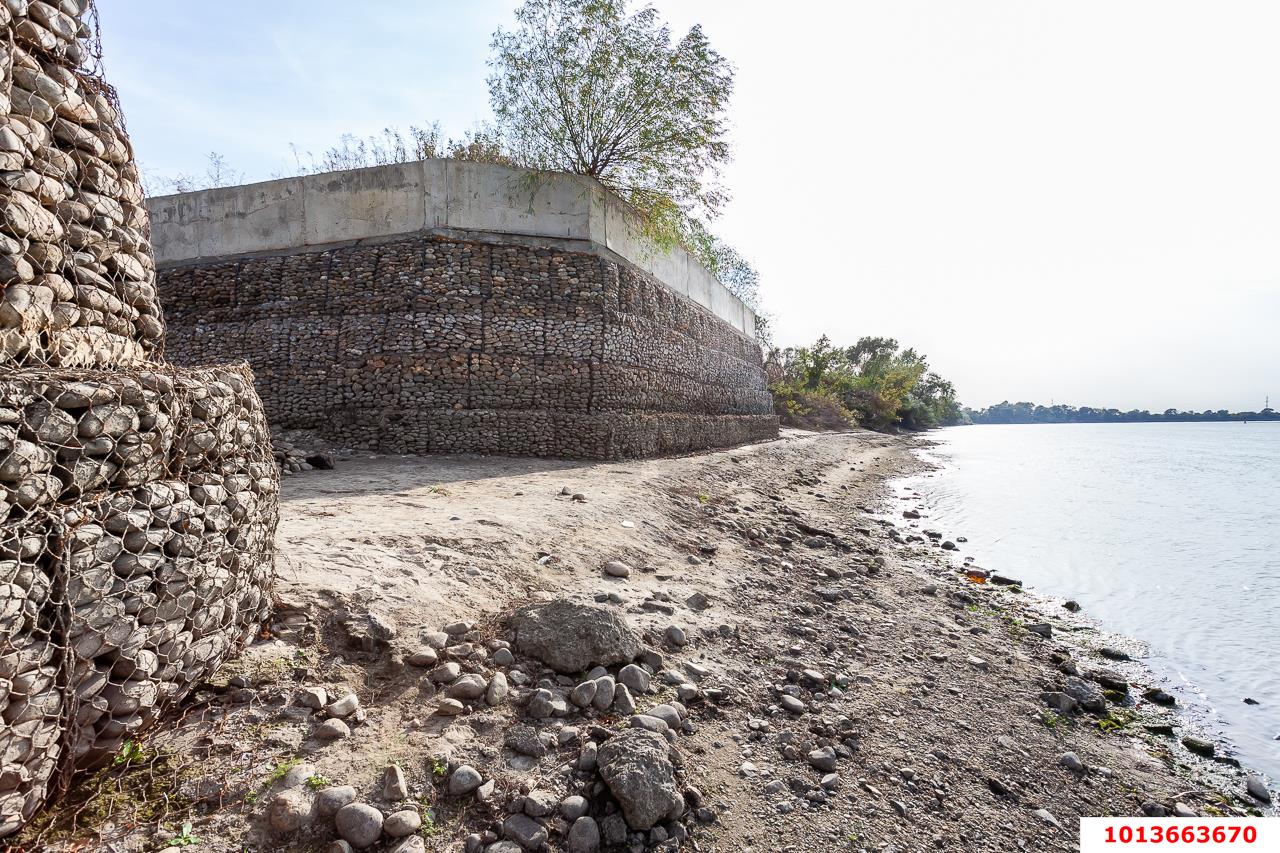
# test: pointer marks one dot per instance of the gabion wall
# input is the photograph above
(427, 344)
(74, 256)
(137, 500)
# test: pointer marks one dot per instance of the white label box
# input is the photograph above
(1201, 834)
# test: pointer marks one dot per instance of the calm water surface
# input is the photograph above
(1169, 533)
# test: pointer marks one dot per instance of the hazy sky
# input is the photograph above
(1077, 202)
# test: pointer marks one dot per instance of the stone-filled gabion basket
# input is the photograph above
(138, 501)
(135, 555)
(431, 344)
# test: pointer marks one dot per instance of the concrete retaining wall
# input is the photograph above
(443, 197)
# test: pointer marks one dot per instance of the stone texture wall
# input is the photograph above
(74, 257)
(430, 344)
(137, 500)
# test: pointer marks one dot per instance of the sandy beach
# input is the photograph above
(921, 705)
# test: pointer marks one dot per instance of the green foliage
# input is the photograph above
(1050, 720)
(185, 838)
(872, 382)
(429, 825)
(797, 406)
(280, 771)
(1116, 720)
(584, 86)
(145, 789)
(1030, 413)
(130, 753)
(317, 781)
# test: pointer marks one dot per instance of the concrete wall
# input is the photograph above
(437, 196)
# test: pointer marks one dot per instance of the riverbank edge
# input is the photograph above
(936, 751)
(1221, 772)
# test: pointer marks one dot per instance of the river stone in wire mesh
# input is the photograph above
(74, 253)
(428, 344)
(138, 501)
(134, 556)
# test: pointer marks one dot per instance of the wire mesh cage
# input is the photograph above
(74, 252)
(137, 500)
(134, 556)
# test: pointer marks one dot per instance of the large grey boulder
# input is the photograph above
(571, 637)
(1257, 788)
(329, 800)
(1088, 694)
(636, 766)
(464, 780)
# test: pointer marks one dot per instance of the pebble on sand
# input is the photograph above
(616, 569)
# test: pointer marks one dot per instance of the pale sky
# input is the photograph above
(1072, 202)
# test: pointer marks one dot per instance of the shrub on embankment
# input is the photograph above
(873, 384)
(812, 410)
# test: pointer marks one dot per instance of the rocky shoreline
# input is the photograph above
(1106, 673)
(735, 651)
(1114, 662)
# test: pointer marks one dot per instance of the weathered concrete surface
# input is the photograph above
(440, 196)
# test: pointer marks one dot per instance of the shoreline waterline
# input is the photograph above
(1028, 515)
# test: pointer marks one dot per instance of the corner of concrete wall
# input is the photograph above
(675, 268)
(228, 220)
(625, 237)
(403, 198)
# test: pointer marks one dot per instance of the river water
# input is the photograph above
(1169, 533)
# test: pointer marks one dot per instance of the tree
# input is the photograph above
(872, 382)
(582, 86)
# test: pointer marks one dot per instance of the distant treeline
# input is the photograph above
(1030, 413)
